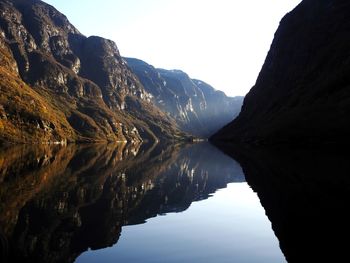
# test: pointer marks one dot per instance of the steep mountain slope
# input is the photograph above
(24, 114)
(83, 82)
(302, 94)
(196, 106)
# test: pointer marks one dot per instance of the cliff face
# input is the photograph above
(197, 107)
(24, 113)
(68, 86)
(302, 93)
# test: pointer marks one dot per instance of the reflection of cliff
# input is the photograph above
(58, 202)
(41, 192)
(197, 172)
(306, 197)
(23, 173)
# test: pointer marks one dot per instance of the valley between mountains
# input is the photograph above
(59, 86)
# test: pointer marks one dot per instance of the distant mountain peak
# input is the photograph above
(197, 107)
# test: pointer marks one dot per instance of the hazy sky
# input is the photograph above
(222, 42)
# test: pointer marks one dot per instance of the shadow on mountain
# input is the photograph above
(306, 196)
(57, 202)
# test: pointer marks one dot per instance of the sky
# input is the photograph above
(221, 42)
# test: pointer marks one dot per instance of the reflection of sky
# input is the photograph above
(229, 227)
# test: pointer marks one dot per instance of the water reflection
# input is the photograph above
(306, 195)
(57, 202)
(229, 227)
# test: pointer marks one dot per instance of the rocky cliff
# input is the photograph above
(302, 94)
(197, 107)
(58, 85)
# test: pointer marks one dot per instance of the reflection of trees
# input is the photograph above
(57, 202)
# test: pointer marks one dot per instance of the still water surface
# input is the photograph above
(229, 227)
(122, 203)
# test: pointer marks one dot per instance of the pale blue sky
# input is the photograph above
(222, 42)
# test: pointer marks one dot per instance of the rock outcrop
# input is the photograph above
(197, 107)
(302, 94)
(58, 85)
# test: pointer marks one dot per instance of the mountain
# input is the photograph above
(58, 85)
(197, 107)
(302, 94)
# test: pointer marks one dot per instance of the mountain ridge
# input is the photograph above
(196, 106)
(85, 78)
(80, 89)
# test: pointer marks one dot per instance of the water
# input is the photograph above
(229, 227)
(130, 203)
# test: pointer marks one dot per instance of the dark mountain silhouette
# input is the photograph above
(197, 107)
(303, 90)
(305, 193)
